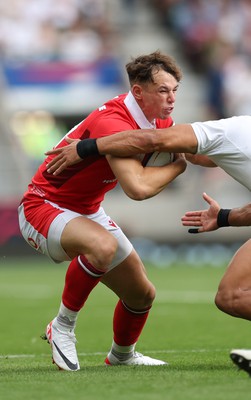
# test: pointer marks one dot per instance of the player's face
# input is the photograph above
(158, 98)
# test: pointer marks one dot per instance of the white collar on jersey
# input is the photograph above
(137, 113)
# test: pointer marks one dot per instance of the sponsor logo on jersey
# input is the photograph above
(112, 223)
(109, 180)
(37, 190)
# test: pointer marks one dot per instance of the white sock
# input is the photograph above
(66, 318)
(122, 352)
(123, 349)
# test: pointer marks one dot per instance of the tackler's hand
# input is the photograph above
(203, 220)
(65, 156)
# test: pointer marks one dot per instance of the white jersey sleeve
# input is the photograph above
(228, 143)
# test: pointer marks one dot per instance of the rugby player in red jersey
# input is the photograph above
(225, 143)
(62, 215)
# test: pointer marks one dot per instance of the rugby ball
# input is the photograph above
(157, 159)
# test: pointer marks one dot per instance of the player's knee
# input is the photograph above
(104, 253)
(220, 300)
(146, 297)
(227, 300)
(149, 299)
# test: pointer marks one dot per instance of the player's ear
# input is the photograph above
(137, 91)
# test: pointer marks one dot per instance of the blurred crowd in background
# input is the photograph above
(46, 49)
(76, 36)
(215, 37)
(59, 60)
(66, 30)
(72, 35)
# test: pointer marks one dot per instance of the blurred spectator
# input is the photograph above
(37, 131)
(34, 30)
(215, 37)
(193, 22)
(80, 43)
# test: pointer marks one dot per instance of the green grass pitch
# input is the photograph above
(184, 328)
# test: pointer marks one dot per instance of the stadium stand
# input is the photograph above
(59, 63)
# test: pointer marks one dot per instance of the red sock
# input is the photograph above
(81, 277)
(128, 324)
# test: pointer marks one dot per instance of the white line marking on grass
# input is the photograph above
(26, 291)
(191, 297)
(99, 353)
(17, 356)
(41, 291)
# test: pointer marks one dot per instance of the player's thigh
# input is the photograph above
(84, 236)
(238, 273)
(130, 282)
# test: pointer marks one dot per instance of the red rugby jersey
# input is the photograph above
(82, 187)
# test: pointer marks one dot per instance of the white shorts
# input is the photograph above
(47, 241)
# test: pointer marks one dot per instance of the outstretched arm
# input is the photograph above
(216, 217)
(176, 139)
